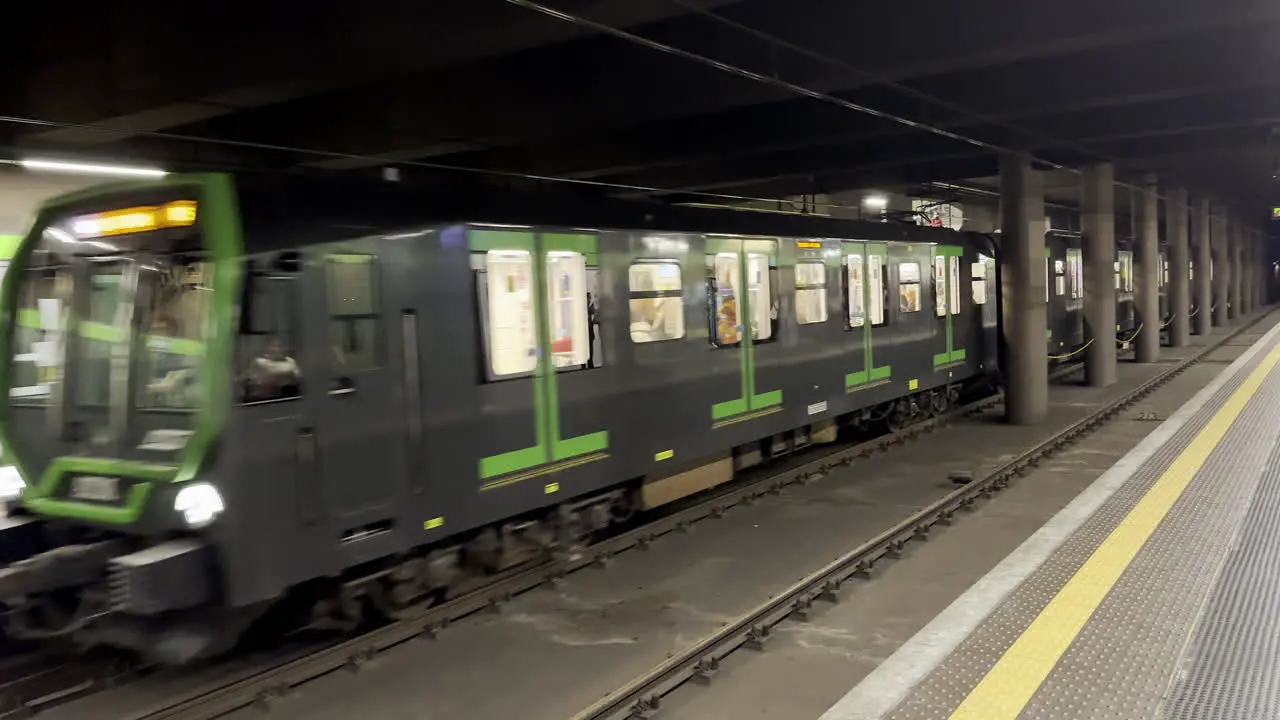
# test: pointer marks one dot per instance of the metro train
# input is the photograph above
(232, 393)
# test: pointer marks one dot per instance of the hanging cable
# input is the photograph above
(871, 78)
(607, 29)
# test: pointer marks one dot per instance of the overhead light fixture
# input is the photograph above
(92, 168)
(875, 202)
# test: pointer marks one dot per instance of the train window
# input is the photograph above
(908, 287)
(178, 317)
(857, 306)
(353, 312)
(953, 269)
(568, 317)
(511, 328)
(811, 292)
(1117, 268)
(1164, 270)
(44, 299)
(879, 289)
(726, 288)
(1191, 270)
(657, 312)
(270, 330)
(1046, 278)
(940, 285)
(978, 271)
(1075, 273)
(1059, 277)
(763, 299)
(724, 285)
(1126, 270)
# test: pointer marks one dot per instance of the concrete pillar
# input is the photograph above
(1098, 217)
(1246, 271)
(1221, 266)
(1146, 286)
(1179, 253)
(1022, 251)
(1263, 267)
(1235, 240)
(1200, 222)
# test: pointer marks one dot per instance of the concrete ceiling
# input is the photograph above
(1183, 88)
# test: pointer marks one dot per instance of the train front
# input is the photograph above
(114, 325)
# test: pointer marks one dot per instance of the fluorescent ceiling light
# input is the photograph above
(876, 202)
(92, 168)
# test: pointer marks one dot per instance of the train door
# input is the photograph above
(946, 296)
(742, 287)
(865, 293)
(1162, 286)
(541, 348)
(1126, 321)
(359, 389)
(1055, 285)
(1073, 327)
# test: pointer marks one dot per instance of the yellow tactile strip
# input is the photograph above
(1009, 685)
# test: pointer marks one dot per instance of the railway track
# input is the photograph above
(262, 682)
(32, 682)
(643, 697)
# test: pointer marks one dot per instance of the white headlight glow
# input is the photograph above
(200, 504)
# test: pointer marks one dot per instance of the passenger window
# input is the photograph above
(879, 289)
(763, 299)
(1164, 270)
(507, 307)
(1059, 278)
(978, 272)
(940, 285)
(353, 312)
(726, 288)
(953, 268)
(568, 316)
(909, 287)
(270, 330)
(1075, 273)
(657, 312)
(811, 293)
(1126, 271)
(857, 305)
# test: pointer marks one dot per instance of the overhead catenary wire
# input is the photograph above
(871, 78)
(778, 83)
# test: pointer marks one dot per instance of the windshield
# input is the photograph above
(107, 345)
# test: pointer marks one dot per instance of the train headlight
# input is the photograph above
(11, 484)
(200, 504)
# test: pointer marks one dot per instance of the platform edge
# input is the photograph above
(885, 687)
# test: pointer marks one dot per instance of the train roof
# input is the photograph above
(334, 208)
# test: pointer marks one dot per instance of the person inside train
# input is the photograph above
(274, 374)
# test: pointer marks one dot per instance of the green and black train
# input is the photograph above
(226, 392)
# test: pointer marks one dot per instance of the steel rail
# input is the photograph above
(264, 684)
(642, 697)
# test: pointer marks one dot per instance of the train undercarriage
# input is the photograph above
(160, 599)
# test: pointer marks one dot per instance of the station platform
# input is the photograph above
(1154, 594)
